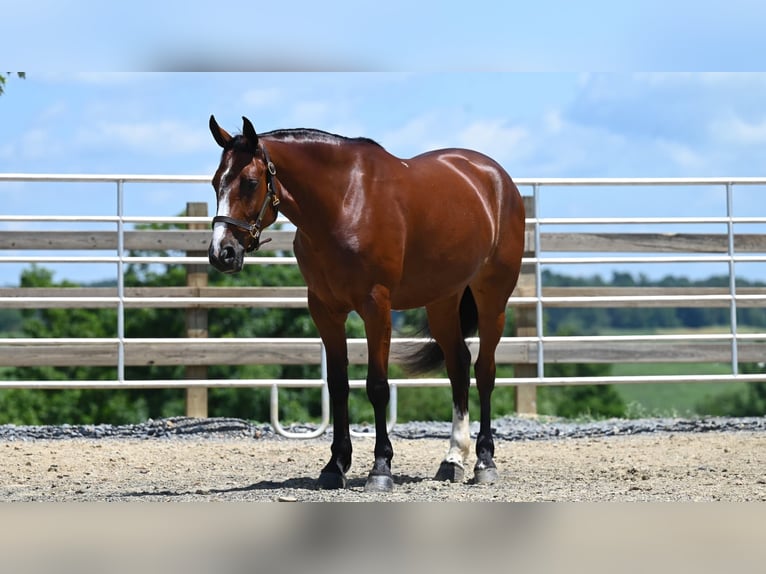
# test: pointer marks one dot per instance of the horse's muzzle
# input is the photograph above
(228, 259)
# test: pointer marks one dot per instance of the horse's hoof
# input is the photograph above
(487, 475)
(450, 471)
(331, 481)
(379, 483)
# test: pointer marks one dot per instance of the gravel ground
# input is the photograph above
(182, 459)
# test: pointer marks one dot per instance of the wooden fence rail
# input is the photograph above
(264, 351)
(198, 240)
(295, 297)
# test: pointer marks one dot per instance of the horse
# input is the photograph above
(442, 230)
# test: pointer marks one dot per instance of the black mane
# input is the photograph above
(313, 135)
(239, 143)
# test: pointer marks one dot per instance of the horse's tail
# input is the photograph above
(428, 357)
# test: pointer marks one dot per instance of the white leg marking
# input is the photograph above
(460, 441)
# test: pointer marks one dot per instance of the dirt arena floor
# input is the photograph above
(712, 466)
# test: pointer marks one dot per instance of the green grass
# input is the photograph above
(635, 369)
(671, 399)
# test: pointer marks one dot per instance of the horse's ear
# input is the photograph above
(249, 132)
(220, 135)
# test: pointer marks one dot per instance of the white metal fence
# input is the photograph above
(536, 259)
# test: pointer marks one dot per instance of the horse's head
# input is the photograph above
(245, 190)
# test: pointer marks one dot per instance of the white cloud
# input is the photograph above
(261, 97)
(97, 78)
(658, 124)
(682, 155)
(158, 138)
(431, 130)
(310, 114)
(734, 129)
(552, 121)
(613, 125)
(54, 112)
(419, 134)
(494, 137)
(110, 78)
(349, 128)
(34, 144)
(7, 151)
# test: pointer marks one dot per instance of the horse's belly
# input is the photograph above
(417, 280)
(426, 284)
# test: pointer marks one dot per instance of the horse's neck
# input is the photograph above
(312, 177)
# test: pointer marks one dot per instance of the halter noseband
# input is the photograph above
(255, 228)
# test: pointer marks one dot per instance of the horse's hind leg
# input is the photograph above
(444, 324)
(490, 331)
(490, 301)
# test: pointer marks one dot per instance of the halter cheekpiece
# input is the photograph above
(254, 228)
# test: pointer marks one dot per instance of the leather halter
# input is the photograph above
(254, 228)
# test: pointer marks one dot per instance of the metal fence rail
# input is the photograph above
(536, 259)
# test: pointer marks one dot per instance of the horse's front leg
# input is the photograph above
(376, 314)
(331, 327)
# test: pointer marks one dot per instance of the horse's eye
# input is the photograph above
(251, 183)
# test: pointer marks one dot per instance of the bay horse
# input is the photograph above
(443, 230)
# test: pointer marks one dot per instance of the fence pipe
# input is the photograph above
(179, 260)
(538, 288)
(732, 280)
(575, 221)
(183, 219)
(645, 220)
(274, 413)
(120, 283)
(359, 384)
(637, 181)
(293, 302)
(325, 400)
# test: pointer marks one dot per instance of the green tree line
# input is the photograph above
(24, 406)
(599, 319)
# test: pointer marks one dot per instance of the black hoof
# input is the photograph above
(379, 483)
(450, 471)
(331, 481)
(487, 475)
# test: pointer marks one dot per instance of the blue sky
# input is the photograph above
(545, 35)
(501, 77)
(536, 124)
(552, 124)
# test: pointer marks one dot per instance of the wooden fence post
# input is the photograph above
(196, 320)
(526, 326)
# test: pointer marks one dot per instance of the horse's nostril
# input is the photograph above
(228, 255)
